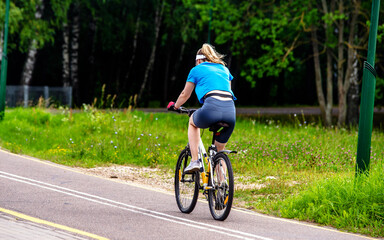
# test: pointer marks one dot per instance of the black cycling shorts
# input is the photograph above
(214, 111)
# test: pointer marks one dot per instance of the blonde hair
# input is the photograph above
(210, 54)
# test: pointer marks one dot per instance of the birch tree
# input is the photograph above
(29, 64)
(74, 53)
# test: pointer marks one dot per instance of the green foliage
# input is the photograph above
(24, 27)
(262, 34)
(379, 88)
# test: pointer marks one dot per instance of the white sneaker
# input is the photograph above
(192, 167)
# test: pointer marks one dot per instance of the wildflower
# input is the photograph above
(142, 134)
(116, 133)
(91, 146)
(115, 147)
(149, 134)
(138, 139)
(157, 137)
(156, 119)
(111, 142)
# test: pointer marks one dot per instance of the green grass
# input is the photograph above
(299, 170)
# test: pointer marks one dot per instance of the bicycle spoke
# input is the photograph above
(220, 197)
(186, 185)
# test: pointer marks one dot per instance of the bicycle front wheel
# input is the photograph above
(186, 184)
(220, 197)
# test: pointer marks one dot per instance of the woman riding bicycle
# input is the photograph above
(212, 82)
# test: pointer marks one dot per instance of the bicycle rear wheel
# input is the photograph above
(186, 185)
(220, 197)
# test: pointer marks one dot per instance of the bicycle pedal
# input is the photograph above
(206, 196)
(208, 188)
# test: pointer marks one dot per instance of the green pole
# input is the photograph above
(4, 63)
(368, 96)
(209, 25)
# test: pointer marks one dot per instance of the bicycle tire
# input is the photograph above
(220, 197)
(186, 185)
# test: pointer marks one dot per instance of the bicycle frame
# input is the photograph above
(207, 159)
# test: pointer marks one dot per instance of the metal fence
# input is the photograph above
(24, 95)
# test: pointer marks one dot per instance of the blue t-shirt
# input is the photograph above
(209, 76)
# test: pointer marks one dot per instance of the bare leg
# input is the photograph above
(194, 139)
(220, 147)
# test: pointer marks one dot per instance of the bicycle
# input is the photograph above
(217, 185)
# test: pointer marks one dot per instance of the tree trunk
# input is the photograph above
(91, 59)
(74, 53)
(134, 47)
(158, 19)
(353, 95)
(351, 82)
(325, 104)
(29, 65)
(342, 95)
(65, 46)
(344, 81)
(329, 101)
(318, 77)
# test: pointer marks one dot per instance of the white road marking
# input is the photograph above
(135, 209)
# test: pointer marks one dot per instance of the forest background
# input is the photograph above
(281, 53)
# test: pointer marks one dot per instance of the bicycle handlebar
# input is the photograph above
(171, 107)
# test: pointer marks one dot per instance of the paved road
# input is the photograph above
(61, 199)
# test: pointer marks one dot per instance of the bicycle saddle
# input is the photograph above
(216, 126)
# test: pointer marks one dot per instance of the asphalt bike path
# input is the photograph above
(62, 200)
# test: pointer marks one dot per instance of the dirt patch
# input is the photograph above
(153, 177)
